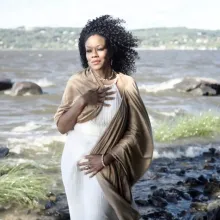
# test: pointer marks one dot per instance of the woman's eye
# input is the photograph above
(88, 51)
(100, 49)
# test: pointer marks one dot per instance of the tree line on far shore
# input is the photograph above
(67, 38)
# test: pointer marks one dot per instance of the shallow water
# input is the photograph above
(27, 126)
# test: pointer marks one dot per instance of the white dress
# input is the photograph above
(84, 195)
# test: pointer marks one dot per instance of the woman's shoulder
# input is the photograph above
(75, 76)
(128, 80)
(128, 83)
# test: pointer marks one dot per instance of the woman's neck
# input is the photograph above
(104, 73)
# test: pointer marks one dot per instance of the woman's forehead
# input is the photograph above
(95, 40)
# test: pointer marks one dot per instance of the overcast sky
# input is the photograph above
(137, 13)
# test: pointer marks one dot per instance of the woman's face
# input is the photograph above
(97, 52)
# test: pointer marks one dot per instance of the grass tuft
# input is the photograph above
(203, 125)
(23, 185)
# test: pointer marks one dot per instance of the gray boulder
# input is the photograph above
(5, 84)
(22, 88)
(199, 86)
(3, 151)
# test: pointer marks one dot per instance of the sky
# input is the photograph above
(204, 14)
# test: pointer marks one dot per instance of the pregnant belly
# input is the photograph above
(78, 145)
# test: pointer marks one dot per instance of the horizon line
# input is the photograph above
(133, 29)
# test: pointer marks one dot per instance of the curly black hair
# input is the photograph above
(119, 41)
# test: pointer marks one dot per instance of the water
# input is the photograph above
(27, 126)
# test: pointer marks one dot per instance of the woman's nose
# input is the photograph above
(94, 53)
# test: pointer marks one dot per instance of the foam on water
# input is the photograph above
(161, 86)
(191, 151)
(44, 82)
(39, 141)
(173, 113)
(7, 92)
(17, 145)
(27, 127)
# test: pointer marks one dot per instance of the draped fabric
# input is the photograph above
(128, 138)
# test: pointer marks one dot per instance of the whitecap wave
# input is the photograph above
(44, 82)
(27, 127)
(173, 113)
(7, 92)
(17, 145)
(161, 86)
(191, 151)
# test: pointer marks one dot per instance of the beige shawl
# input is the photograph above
(128, 139)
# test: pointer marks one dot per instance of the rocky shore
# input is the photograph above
(181, 189)
(172, 189)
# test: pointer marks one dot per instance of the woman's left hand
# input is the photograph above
(93, 165)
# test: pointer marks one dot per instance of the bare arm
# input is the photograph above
(68, 120)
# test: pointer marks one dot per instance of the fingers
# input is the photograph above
(83, 164)
(88, 157)
(89, 167)
(84, 168)
(106, 105)
(106, 96)
(103, 90)
(110, 93)
(103, 104)
(85, 161)
(101, 100)
(94, 173)
(109, 98)
(89, 171)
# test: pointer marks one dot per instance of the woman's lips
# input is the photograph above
(96, 62)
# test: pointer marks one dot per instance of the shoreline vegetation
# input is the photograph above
(22, 185)
(66, 38)
(204, 125)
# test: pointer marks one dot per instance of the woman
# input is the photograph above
(109, 142)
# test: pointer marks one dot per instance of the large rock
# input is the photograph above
(22, 88)
(5, 84)
(199, 86)
(3, 151)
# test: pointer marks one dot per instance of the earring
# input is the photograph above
(111, 62)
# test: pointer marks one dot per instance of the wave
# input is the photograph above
(161, 86)
(27, 127)
(170, 113)
(185, 84)
(185, 151)
(202, 125)
(7, 92)
(44, 82)
(40, 143)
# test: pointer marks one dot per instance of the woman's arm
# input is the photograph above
(71, 106)
(68, 119)
(73, 103)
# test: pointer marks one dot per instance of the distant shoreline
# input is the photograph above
(148, 39)
(138, 49)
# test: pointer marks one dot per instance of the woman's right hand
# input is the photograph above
(98, 96)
